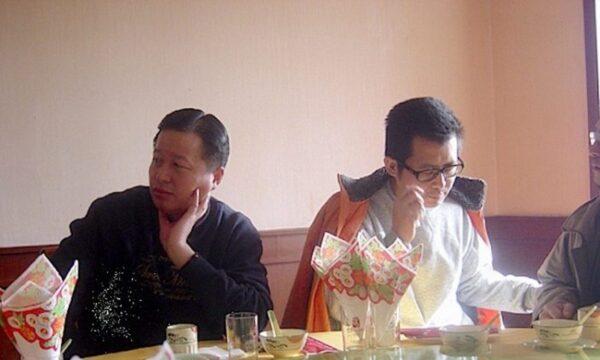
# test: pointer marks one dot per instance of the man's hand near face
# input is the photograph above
(408, 210)
(173, 235)
(558, 310)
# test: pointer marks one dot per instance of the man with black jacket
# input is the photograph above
(164, 254)
(570, 273)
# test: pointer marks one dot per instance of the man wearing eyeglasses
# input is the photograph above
(570, 275)
(419, 198)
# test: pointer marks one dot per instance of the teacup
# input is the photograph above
(183, 338)
(464, 338)
(557, 333)
(289, 343)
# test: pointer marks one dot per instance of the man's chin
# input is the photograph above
(158, 203)
(434, 201)
(163, 206)
(171, 213)
(431, 203)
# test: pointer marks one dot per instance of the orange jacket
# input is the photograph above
(343, 215)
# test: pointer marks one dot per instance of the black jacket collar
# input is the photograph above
(468, 192)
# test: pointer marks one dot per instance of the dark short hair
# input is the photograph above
(215, 141)
(425, 117)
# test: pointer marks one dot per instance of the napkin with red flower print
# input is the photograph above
(366, 273)
(34, 308)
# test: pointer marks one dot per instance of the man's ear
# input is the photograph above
(391, 166)
(217, 177)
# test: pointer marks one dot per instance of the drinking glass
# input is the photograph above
(388, 336)
(242, 335)
(357, 331)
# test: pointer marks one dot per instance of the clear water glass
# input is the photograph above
(242, 335)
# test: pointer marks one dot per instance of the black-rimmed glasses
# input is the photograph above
(449, 171)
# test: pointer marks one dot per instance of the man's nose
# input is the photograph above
(440, 180)
(162, 174)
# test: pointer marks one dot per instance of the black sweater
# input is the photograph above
(129, 291)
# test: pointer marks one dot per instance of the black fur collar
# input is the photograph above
(468, 192)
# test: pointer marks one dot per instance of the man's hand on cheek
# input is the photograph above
(407, 212)
(173, 235)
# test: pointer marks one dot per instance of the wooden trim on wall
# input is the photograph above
(14, 260)
(282, 246)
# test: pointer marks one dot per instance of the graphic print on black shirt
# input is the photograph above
(129, 301)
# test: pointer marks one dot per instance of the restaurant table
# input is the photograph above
(508, 344)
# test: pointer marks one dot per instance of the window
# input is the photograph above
(591, 12)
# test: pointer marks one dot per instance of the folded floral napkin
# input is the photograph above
(339, 264)
(34, 308)
(367, 278)
(314, 346)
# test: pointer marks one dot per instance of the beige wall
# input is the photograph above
(303, 87)
(540, 106)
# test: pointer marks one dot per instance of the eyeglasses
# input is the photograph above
(449, 171)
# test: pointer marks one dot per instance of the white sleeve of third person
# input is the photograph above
(482, 286)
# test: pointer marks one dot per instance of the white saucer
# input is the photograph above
(575, 347)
